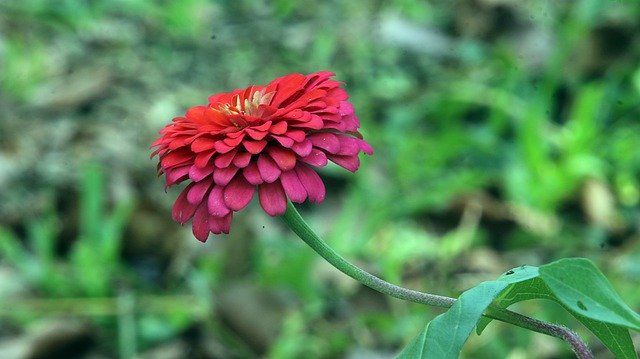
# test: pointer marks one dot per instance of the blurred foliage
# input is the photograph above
(505, 134)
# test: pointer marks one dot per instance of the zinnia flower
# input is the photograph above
(264, 139)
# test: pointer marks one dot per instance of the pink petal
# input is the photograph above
(303, 148)
(255, 147)
(316, 158)
(284, 141)
(349, 146)
(272, 198)
(297, 135)
(284, 158)
(349, 162)
(242, 159)
(197, 174)
(215, 203)
(326, 141)
(346, 109)
(198, 191)
(224, 160)
(221, 147)
(315, 123)
(366, 147)
(200, 225)
(222, 176)
(311, 182)
(238, 193)
(182, 209)
(176, 175)
(269, 171)
(219, 225)
(293, 187)
(252, 174)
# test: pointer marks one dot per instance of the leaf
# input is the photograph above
(615, 337)
(533, 288)
(445, 335)
(576, 284)
(580, 286)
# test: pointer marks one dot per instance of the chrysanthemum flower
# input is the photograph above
(263, 138)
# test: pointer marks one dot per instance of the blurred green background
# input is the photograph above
(506, 133)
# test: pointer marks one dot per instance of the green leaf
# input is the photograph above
(615, 337)
(580, 286)
(445, 335)
(533, 288)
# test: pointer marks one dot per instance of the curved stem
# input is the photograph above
(579, 347)
(293, 219)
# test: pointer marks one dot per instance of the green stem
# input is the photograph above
(293, 219)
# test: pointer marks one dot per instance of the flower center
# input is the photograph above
(247, 104)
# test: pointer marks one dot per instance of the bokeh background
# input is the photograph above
(506, 133)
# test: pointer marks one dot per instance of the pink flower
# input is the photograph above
(263, 138)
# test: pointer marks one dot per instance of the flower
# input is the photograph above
(262, 138)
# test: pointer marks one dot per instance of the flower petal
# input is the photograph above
(326, 141)
(222, 147)
(255, 147)
(198, 191)
(218, 225)
(202, 144)
(176, 158)
(182, 209)
(284, 141)
(296, 135)
(224, 160)
(222, 176)
(316, 158)
(284, 158)
(202, 158)
(242, 159)
(215, 202)
(303, 149)
(200, 225)
(256, 134)
(269, 171)
(272, 198)
(293, 187)
(238, 193)
(252, 174)
(312, 183)
(197, 173)
(351, 163)
(279, 128)
(175, 175)
(349, 146)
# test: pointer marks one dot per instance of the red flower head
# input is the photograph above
(264, 138)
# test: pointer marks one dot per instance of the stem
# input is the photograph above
(579, 347)
(293, 219)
